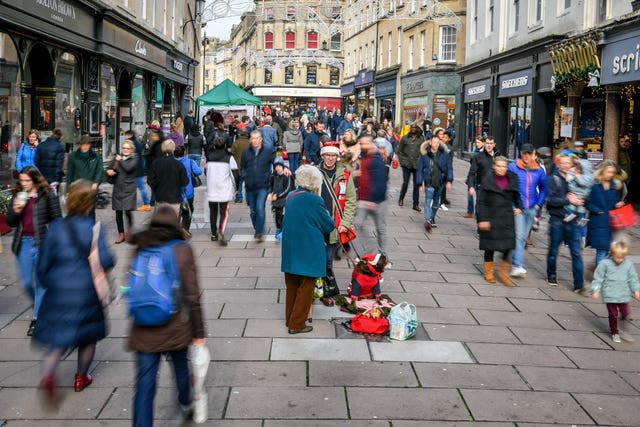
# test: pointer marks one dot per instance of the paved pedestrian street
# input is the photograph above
(485, 355)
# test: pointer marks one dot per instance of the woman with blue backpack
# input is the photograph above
(164, 305)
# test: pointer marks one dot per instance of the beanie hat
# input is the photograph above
(278, 161)
(330, 147)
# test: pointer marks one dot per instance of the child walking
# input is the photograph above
(616, 278)
(279, 186)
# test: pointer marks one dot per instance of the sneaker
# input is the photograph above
(433, 224)
(569, 218)
(32, 327)
(616, 338)
(517, 272)
(583, 291)
(552, 281)
(222, 240)
(444, 207)
(278, 237)
(536, 224)
(144, 208)
(214, 238)
(626, 336)
(187, 412)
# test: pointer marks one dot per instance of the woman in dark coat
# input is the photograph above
(124, 197)
(71, 314)
(498, 204)
(605, 196)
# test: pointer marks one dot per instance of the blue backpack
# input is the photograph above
(154, 281)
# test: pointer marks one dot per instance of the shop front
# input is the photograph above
(347, 93)
(516, 90)
(477, 96)
(385, 93)
(287, 97)
(363, 84)
(415, 100)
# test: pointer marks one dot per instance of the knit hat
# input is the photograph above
(278, 161)
(330, 147)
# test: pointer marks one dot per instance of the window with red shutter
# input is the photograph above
(312, 40)
(290, 40)
(268, 41)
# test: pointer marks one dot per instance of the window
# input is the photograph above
(474, 29)
(366, 58)
(447, 44)
(291, 13)
(206, 74)
(360, 62)
(312, 12)
(164, 17)
(268, 13)
(312, 40)
(563, 5)
(490, 16)
(334, 76)
(312, 74)
(399, 56)
(535, 18)
(336, 11)
(355, 62)
(288, 75)
(381, 60)
(423, 48)
(336, 41)
(373, 54)
(347, 64)
(603, 11)
(390, 38)
(289, 40)
(173, 19)
(516, 16)
(412, 8)
(268, 77)
(144, 9)
(411, 52)
(268, 41)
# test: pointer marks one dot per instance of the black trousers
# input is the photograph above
(218, 211)
(407, 174)
(120, 220)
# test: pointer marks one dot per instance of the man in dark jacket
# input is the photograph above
(372, 194)
(345, 124)
(408, 155)
(255, 169)
(435, 173)
(481, 165)
(167, 176)
(189, 121)
(50, 159)
(336, 120)
(558, 196)
(140, 170)
(239, 146)
(84, 163)
(312, 144)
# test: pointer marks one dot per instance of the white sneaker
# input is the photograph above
(444, 207)
(517, 271)
(626, 337)
(615, 338)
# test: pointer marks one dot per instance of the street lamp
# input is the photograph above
(199, 9)
(205, 43)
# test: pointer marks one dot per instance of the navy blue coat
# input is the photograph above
(71, 314)
(312, 147)
(256, 169)
(424, 167)
(50, 158)
(599, 203)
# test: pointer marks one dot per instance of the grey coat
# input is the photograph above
(293, 140)
(124, 195)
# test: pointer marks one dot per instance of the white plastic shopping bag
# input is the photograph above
(199, 357)
(403, 321)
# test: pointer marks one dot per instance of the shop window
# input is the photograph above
(291, 13)
(68, 102)
(107, 111)
(519, 124)
(336, 42)
(268, 41)
(139, 105)
(447, 44)
(268, 77)
(477, 122)
(312, 74)
(312, 40)
(288, 75)
(334, 76)
(10, 99)
(290, 40)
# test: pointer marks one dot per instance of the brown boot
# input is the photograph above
(488, 272)
(120, 238)
(503, 273)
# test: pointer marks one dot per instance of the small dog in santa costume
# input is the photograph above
(367, 276)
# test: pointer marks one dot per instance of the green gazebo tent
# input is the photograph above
(227, 94)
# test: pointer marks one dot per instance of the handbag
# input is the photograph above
(102, 282)
(195, 179)
(623, 218)
(368, 325)
(347, 236)
(330, 286)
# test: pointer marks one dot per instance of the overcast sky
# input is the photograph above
(221, 27)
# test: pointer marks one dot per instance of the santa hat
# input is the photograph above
(330, 147)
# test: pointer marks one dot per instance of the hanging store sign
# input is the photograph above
(477, 91)
(575, 54)
(515, 84)
(621, 59)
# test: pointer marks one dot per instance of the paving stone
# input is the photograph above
(229, 283)
(446, 267)
(15, 305)
(15, 329)
(321, 423)
(465, 301)
(604, 359)
(581, 323)
(511, 354)
(252, 311)
(402, 423)
(257, 374)
(257, 296)
(272, 328)
(469, 333)
(8, 369)
(225, 327)
(239, 348)
(534, 320)
(287, 402)
(420, 351)
(205, 273)
(545, 407)
(66, 423)
(550, 307)
(417, 299)
(211, 311)
(426, 276)
(14, 349)
(165, 404)
(230, 252)
(582, 381)
(30, 376)
(438, 288)
(453, 375)
(464, 278)
(422, 404)
(632, 378)
(509, 292)
(249, 271)
(557, 338)
(270, 283)
(319, 349)
(24, 403)
(362, 374)
(456, 316)
(615, 410)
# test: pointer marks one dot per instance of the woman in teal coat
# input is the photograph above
(305, 229)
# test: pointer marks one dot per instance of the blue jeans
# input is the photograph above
(256, 199)
(27, 261)
(470, 204)
(600, 255)
(560, 231)
(524, 221)
(431, 203)
(239, 189)
(142, 189)
(294, 160)
(196, 158)
(146, 377)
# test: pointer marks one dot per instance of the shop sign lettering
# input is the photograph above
(517, 82)
(627, 62)
(477, 90)
(59, 9)
(177, 65)
(414, 86)
(140, 48)
(574, 54)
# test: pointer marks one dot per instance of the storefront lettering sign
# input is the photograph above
(140, 48)
(477, 91)
(621, 59)
(386, 88)
(514, 84)
(577, 53)
(177, 65)
(517, 82)
(59, 9)
(414, 84)
(363, 78)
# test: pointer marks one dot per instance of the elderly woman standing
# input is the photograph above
(497, 206)
(306, 226)
(123, 198)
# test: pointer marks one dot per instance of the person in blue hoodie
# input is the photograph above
(26, 155)
(532, 185)
(188, 191)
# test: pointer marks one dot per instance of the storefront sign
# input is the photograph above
(347, 89)
(514, 84)
(122, 44)
(444, 109)
(414, 84)
(140, 48)
(177, 65)
(386, 88)
(579, 53)
(566, 123)
(477, 91)
(621, 59)
(363, 78)
(296, 92)
(69, 14)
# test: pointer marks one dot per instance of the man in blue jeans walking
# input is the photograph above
(255, 167)
(558, 196)
(532, 185)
